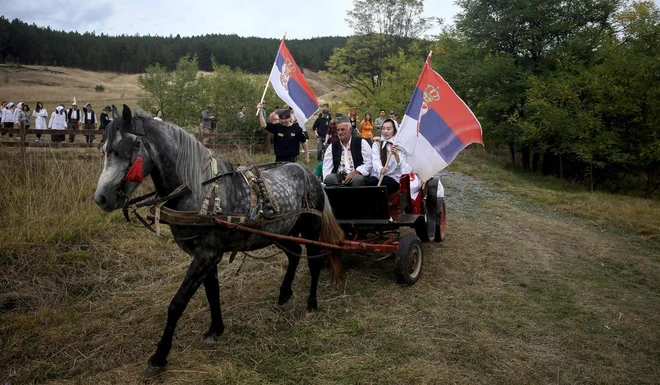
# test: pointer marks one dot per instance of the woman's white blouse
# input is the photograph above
(40, 119)
(395, 170)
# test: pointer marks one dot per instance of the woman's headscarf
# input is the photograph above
(383, 141)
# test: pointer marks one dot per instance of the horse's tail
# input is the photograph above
(331, 232)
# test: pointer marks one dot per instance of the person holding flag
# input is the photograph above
(437, 125)
(287, 136)
(388, 162)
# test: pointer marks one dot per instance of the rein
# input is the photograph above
(194, 218)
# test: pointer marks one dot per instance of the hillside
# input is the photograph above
(55, 85)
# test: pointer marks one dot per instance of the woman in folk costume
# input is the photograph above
(40, 116)
(8, 117)
(18, 113)
(385, 150)
(58, 122)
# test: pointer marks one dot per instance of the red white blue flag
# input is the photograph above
(437, 125)
(290, 85)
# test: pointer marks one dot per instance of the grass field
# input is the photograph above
(56, 85)
(526, 289)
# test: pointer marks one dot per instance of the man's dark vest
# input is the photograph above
(356, 153)
(70, 111)
(85, 116)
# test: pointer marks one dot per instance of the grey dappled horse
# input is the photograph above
(173, 158)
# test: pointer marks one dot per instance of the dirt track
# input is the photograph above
(548, 297)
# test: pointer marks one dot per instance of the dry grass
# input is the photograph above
(59, 85)
(519, 293)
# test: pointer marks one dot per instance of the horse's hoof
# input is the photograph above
(283, 299)
(152, 371)
(209, 340)
(311, 307)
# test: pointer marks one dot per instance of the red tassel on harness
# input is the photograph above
(135, 173)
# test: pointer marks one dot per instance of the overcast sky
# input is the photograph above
(262, 18)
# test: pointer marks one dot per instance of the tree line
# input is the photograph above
(570, 89)
(29, 44)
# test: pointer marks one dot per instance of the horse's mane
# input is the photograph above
(192, 157)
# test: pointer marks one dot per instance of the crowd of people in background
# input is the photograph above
(333, 142)
(359, 153)
(350, 151)
(20, 115)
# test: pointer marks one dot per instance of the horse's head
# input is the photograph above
(127, 160)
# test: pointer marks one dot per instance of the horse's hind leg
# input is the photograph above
(195, 275)
(212, 288)
(292, 251)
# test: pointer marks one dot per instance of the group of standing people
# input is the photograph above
(17, 115)
(209, 121)
(61, 119)
(358, 161)
(347, 155)
(325, 128)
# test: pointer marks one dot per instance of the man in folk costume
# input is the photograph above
(89, 121)
(347, 161)
(105, 120)
(73, 119)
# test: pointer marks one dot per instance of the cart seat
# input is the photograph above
(363, 205)
(401, 202)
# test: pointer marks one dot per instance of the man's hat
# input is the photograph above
(209, 106)
(284, 113)
(107, 108)
(392, 112)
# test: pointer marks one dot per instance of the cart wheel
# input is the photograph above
(435, 226)
(441, 226)
(409, 259)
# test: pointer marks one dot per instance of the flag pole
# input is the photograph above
(387, 163)
(263, 96)
(266, 88)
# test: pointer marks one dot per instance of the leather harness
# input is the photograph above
(263, 208)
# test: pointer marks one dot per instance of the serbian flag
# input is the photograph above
(437, 125)
(290, 85)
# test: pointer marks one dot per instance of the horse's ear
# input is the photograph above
(115, 113)
(126, 114)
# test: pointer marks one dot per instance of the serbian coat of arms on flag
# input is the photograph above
(437, 125)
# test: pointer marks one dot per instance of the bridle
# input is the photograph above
(128, 148)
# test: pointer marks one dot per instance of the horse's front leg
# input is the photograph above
(212, 288)
(198, 270)
(292, 252)
(315, 264)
